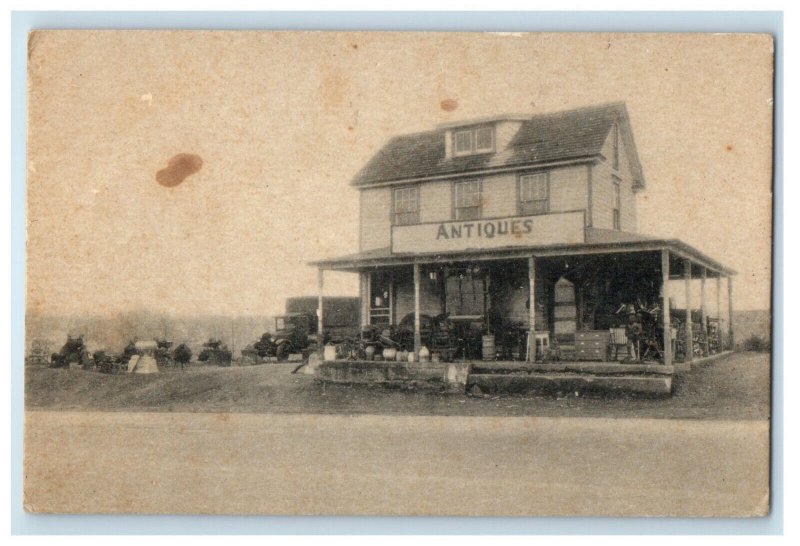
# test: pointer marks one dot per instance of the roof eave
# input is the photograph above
(673, 245)
(632, 152)
(584, 158)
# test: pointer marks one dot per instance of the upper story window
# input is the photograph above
(406, 206)
(615, 145)
(484, 139)
(464, 142)
(473, 141)
(534, 193)
(468, 200)
(617, 202)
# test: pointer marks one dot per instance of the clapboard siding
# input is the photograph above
(435, 201)
(568, 188)
(499, 198)
(375, 221)
(505, 131)
(499, 195)
(603, 192)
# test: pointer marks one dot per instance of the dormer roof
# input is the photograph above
(541, 139)
(482, 120)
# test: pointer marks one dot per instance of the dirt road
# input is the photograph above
(336, 464)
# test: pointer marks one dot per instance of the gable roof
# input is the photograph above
(545, 138)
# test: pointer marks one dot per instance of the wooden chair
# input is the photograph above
(618, 340)
(541, 345)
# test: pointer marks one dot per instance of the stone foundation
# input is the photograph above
(450, 377)
(500, 377)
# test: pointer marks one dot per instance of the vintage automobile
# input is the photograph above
(215, 353)
(72, 354)
(294, 333)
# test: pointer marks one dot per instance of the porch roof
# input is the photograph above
(598, 241)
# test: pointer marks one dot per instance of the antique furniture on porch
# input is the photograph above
(592, 344)
(618, 340)
(541, 344)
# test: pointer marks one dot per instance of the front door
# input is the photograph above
(380, 301)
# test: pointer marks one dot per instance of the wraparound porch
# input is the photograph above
(581, 294)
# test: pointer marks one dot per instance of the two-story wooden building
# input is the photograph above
(519, 223)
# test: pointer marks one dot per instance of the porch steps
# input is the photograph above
(531, 377)
(511, 377)
(537, 382)
(613, 368)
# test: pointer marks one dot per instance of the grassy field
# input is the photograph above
(737, 387)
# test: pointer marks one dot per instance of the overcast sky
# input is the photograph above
(282, 122)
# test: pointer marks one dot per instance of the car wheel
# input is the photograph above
(282, 352)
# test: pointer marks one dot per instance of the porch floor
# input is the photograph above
(580, 367)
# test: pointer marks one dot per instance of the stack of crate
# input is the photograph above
(565, 318)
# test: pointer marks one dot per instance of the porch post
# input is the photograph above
(320, 322)
(417, 336)
(391, 298)
(730, 313)
(703, 312)
(364, 287)
(665, 308)
(719, 312)
(532, 309)
(687, 281)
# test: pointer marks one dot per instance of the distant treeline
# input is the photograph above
(113, 333)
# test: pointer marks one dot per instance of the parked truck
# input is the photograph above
(297, 330)
(341, 315)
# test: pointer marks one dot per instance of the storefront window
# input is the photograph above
(465, 293)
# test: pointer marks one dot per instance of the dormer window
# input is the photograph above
(473, 141)
(484, 139)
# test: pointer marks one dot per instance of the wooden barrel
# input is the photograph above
(489, 352)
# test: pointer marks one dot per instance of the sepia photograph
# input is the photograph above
(398, 273)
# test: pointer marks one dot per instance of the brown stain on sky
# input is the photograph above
(448, 105)
(178, 168)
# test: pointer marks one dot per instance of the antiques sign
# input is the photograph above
(545, 229)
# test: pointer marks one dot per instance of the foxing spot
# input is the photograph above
(178, 168)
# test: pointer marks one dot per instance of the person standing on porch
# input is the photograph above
(633, 331)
